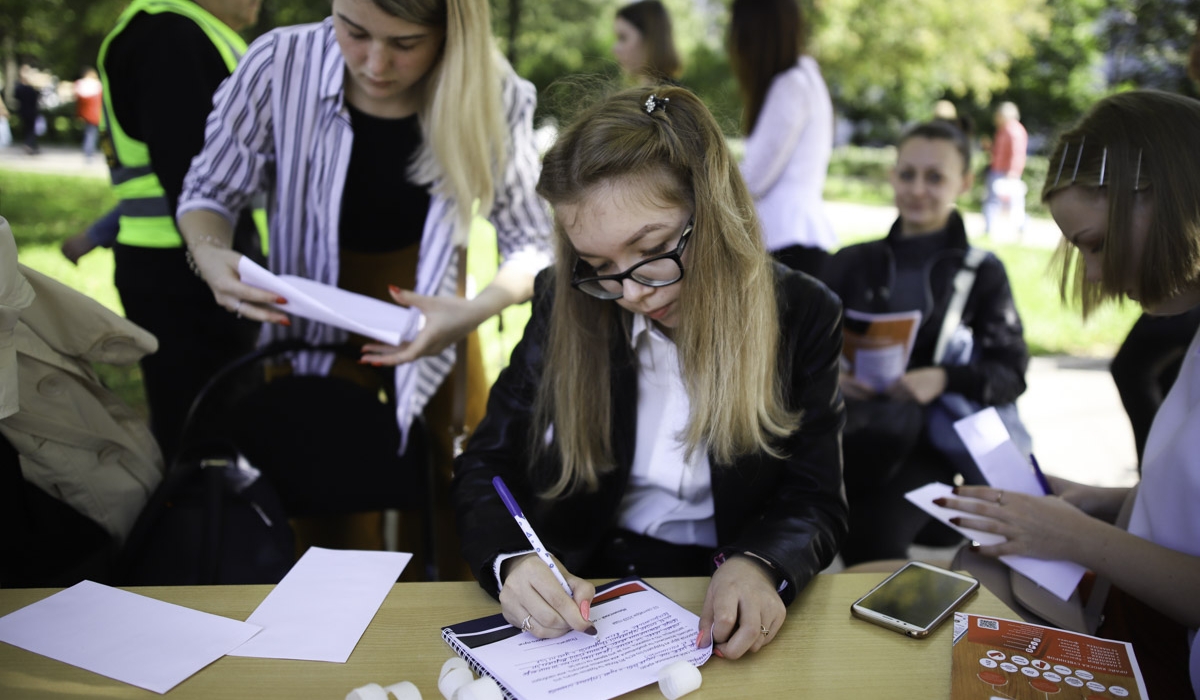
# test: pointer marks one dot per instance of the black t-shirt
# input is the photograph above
(382, 210)
(913, 255)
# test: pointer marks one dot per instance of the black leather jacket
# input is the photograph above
(863, 276)
(792, 512)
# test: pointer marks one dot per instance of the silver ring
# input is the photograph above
(764, 629)
(1000, 498)
(238, 309)
(525, 625)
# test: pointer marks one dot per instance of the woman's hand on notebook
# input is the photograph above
(532, 593)
(745, 607)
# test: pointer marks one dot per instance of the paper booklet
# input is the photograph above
(387, 323)
(641, 630)
(876, 347)
(997, 658)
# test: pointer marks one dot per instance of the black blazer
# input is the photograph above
(792, 512)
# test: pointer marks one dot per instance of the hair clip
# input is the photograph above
(654, 102)
(1103, 163)
(1078, 158)
(1061, 162)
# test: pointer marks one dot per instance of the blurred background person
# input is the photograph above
(645, 46)
(160, 66)
(87, 108)
(788, 120)
(1003, 189)
(28, 109)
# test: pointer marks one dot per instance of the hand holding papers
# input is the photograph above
(876, 347)
(1001, 463)
(387, 323)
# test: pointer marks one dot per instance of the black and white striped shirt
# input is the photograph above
(279, 124)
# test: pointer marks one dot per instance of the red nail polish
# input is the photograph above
(286, 322)
(956, 521)
(393, 289)
(974, 547)
(954, 490)
(699, 636)
(718, 652)
(280, 300)
(585, 608)
(939, 502)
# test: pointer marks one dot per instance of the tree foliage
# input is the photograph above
(897, 56)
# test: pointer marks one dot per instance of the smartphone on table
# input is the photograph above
(915, 599)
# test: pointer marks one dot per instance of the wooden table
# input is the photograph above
(821, 652)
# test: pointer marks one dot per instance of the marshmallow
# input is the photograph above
(481, 689)
(678, 679)
(370, 691)
(454, 679)
(404, 690)
(452, 663)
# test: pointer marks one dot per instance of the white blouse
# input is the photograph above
(668, 497)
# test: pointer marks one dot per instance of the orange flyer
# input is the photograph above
(998, 658)
(876, 347)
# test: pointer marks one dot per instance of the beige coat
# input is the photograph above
(77, 440)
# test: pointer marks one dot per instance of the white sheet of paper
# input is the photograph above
(1059, 577)
(996, 455)
(124, 636)
(388, 323)
(879, 368)
(319, 611)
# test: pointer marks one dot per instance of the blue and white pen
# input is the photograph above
(1037, 471)
(538, 547)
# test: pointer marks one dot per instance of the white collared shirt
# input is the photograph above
(668, 497)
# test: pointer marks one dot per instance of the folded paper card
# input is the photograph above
(122, 635)
(385, 322)
(876, 347)
(319, 611)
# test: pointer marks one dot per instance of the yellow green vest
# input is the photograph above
(145, 216)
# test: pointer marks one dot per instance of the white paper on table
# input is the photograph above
(997, 456)
(1059, 577)
(319, 611)
(388, 323)
(124, 636)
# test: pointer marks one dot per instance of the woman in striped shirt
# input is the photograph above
(377, 135)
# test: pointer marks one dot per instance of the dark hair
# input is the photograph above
(650, 18)
(765, 39)
(943, 130)
(1135, 144)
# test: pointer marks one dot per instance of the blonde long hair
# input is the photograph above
(466, 145)
(1130, 143)
(728, 337)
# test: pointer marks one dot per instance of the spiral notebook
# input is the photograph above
(640, 631)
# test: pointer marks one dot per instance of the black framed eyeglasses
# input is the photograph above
(658, 271)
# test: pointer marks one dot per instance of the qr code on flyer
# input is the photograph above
(988, 624)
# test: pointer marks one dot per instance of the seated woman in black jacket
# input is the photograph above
(674, 405)
(887, 448)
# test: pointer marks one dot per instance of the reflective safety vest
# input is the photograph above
(145, 215)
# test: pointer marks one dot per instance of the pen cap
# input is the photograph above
(678, 679)
(481, 689)
(370, 691)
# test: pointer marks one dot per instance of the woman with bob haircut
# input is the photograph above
(789, 130)
(645, 46)
(1127, 198)
(378, 135)
(673, 409)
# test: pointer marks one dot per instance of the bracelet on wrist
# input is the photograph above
(191, 259)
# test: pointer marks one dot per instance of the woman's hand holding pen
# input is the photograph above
(1045, 527)
(532, 592)
(447, 320)
(745, 607)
